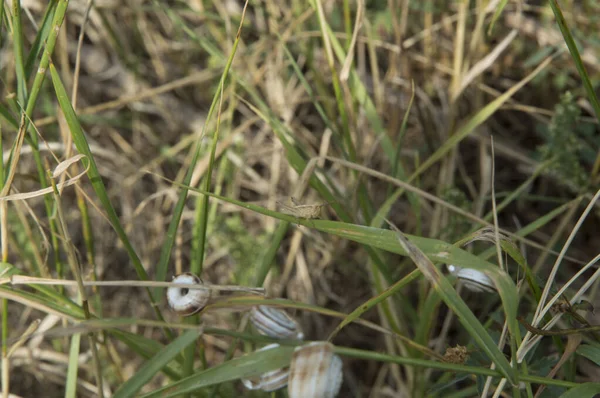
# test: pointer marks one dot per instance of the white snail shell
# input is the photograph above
(474, 280)
(270, 381)
(315, 371)
(274, 322)
(186, 301)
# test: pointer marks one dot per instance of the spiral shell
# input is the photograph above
(315, 371)
(474, 280)
(186, 301)
(270, 381)
(274, 322)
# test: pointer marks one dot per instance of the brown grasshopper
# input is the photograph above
(302, 211)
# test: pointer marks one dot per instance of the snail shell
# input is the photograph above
(186, 301)
(270, 381)
(315, 371)
(476, 280)
(274, 322)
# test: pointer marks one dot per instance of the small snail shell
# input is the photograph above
(475, 280)
(186, 301)
(274, 322)
(270, 381)
(315, 371)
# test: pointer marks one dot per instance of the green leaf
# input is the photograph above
(40, 38)
(253, 364)
(587, 84)
(440, 283)
(590, 351)
(154, 365)
(94, 175)
(583, 391)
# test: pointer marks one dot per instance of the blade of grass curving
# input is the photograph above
(57, 20)
(566, 32)
(299, 163)
(496, 15)
(587, 84)
(583, 390)
(249, 365)
(463, 312)
(154, 365)
(434, 249)
(50, 293)
(444, 366)
(379, 238)
(167, 247)
(96, 180)
(590, 351)
(43, 304)
(146, 348)
(40, 38)
(476, 120)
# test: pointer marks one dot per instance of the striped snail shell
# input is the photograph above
(270, 381)
(315, 371)
(186, 301)
(274, 322)
(474, 280)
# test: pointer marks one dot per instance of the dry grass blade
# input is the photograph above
(485, 63)
(28, 280)
(58, 171)
(31, 329)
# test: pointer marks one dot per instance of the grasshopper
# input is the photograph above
(302, 211)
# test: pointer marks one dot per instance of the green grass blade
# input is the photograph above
(73, 368)
(307, 87)
(476, 120)
(450, 367)
(590, 351)
(154, 365)
(7, 115)
(18, 52)
(435, 250)
(269, 256)
(252, 364)
(566, 32)
(167, 247)
(583, 390)
(360, 93)
(40, 38)
(41, 303)
(372, 302)
(499, 9)
(146, 348)
(95, 178)
(506, 289)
